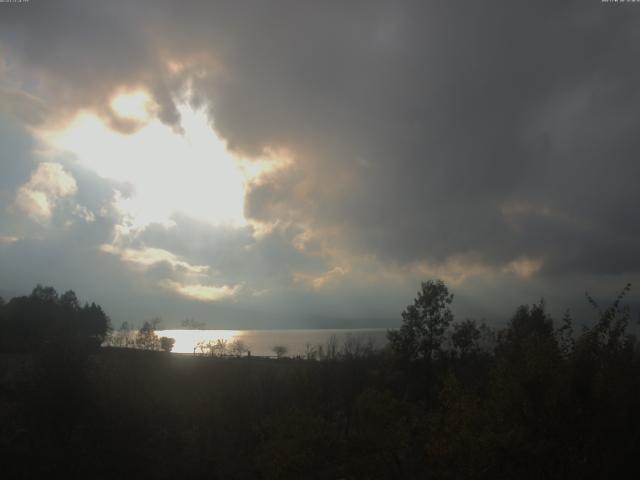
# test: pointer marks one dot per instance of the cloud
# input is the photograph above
(7, 240)
(193, 173)
(48, 184)
(319, 281)
(147, 257)
(427, 138)
(203, 293)
(20, 104)
(525, 267)
(52, 179)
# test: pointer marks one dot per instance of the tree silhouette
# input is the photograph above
(122, 337)
(146, 337)
(167, 343)
(279, 350)
(45, 318)
(542, 402)
(424, 323)
(465, 337)
(238, 348)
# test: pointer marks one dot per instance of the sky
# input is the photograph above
(295, 164)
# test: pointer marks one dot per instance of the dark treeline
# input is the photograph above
(45, 319)
(446, 399)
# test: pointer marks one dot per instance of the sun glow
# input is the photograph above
(168, 172)
(187, 340)
(159, 172)
(134, 106)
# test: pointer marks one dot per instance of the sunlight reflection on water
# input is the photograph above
(261, 342)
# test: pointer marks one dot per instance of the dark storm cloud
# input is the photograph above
(422, 131)
(15, 157)
(421, 124)
(77, 53)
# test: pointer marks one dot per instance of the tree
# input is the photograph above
(280, 350)
(44, 294)
(424, 323)
(219, 348)
(238, 348)
(167, 343)
(44, 319)
(465, 337)
(530, 329)
(70, 301)
(121, 337)
(146, 337)
(528, 351)
(356, 347)
(93, 323)
(609, 331)
(329, 351)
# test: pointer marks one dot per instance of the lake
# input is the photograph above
(261, 342)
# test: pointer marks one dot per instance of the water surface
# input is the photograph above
(261, 342)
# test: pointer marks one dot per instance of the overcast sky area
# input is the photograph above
(306, 164)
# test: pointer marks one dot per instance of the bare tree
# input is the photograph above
(280, 350)
(167, 343)
(238, 348)
(146, 338)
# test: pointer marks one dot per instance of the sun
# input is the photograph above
(190, 172)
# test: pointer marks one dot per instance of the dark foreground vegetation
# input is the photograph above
(446, 400)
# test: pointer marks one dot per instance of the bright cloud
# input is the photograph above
(319, 281)
(170, 172)
(525, 267)
(147, 257)
(203, 293)
(191, 173)
(38, 197)
(135, 105)
(8, 239)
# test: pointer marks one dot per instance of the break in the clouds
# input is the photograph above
(295, 163)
